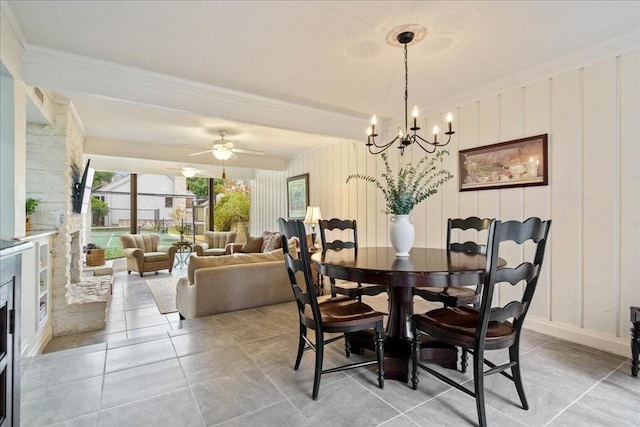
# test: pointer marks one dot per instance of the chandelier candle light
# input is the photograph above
(406, 139)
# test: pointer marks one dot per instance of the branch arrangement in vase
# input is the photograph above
(411, 185)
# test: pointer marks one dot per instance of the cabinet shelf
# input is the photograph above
(43, 282)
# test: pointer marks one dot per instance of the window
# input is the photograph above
(168, 202)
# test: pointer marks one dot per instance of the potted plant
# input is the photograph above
(405, 190)
(30, 207)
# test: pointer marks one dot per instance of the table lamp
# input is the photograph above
(312, 217)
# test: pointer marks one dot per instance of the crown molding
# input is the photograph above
(59, 70)
(12, 41)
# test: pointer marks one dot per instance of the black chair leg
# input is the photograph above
(478, 382)
(514, 356)
(635, 348)
(379, 340)
(415, 358)
(318, 370)
(347, 345)
(465, 360)
(332, 281)
(301, 344)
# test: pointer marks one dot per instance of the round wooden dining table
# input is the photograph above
(423, 267)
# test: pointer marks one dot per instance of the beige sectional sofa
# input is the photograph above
(232, 282)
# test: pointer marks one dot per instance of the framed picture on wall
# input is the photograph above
(297, 196)
(518, 163)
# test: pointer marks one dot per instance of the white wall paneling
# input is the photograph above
(268, 201)
(601, 192)
(629, 177)
(593, 197)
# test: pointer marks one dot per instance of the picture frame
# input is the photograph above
(297, 196)
(518, 163)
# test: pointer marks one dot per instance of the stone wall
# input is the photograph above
(54, 160)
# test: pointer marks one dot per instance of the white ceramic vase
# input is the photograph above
(402, 234)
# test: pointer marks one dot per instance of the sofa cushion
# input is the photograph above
(266, 237)
(214, 252)
(272, 242)
(205, 262)
(253, 245)
(155, 256)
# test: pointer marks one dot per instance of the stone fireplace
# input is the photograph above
(54, 160)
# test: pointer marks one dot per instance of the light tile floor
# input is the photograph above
(237, 369)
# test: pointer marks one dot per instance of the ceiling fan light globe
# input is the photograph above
(222, 154)
(189, 172)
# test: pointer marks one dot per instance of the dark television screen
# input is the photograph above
(82, 196)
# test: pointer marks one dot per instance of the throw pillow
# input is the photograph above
(253, 245)
(272, 243)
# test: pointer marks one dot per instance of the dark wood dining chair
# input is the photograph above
(484, 328)
(343, 287)
(326, 314)
(456, 296)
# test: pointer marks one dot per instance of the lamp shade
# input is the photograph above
(313, 215)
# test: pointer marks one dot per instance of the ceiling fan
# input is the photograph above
(189, 172)
(223, 149)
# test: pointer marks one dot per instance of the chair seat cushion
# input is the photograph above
(461, 321)
(342, 311)
(214, 252)
(155, 256)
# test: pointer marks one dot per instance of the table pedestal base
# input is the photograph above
(397, 353)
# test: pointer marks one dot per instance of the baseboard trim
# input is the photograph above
(42, 342)
(597, 340)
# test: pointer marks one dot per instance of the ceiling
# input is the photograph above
(158, 79)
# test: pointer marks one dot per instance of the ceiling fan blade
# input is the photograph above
(201, 152)
(243, 151)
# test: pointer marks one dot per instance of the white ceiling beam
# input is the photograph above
(62, 71)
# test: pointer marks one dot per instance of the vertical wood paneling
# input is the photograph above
(565, 152)
(629, 262)
(488, 133)
(433, 206)
(449, 191)
(537, 113)
(349, 191)
(373, 210)
(467, 136)
(512, 117)
(601, 192)
(420, 219)
(362, 218)
(593, 196)
(268, 201)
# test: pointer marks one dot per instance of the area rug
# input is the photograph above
(164, 292)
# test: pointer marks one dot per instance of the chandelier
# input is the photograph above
(407, 138)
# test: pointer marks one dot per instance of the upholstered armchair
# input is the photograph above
(215, 243)
(144, 253)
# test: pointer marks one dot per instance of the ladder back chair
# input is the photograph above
(455, 296)
(485, 328)
(326, 314)
(343, 287)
